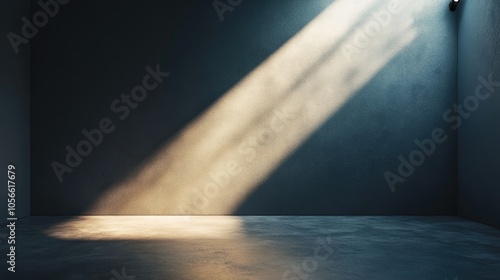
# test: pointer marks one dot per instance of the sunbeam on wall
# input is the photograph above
(219, 158)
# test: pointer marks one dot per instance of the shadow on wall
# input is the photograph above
(402, 102)
(313, 127)
(14, 112)
(478, 135)
(103, 53)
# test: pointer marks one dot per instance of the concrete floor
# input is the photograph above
(214, 247)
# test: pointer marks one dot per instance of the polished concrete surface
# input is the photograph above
(249, 247)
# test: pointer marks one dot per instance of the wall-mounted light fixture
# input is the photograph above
(453, 5)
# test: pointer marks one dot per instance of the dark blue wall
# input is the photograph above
(14, 108)
(479, 135)
(93, 51)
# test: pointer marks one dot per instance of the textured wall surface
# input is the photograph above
(368, 79)
(479, 136)
(14, 108)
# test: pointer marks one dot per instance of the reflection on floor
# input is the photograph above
(223, 247)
